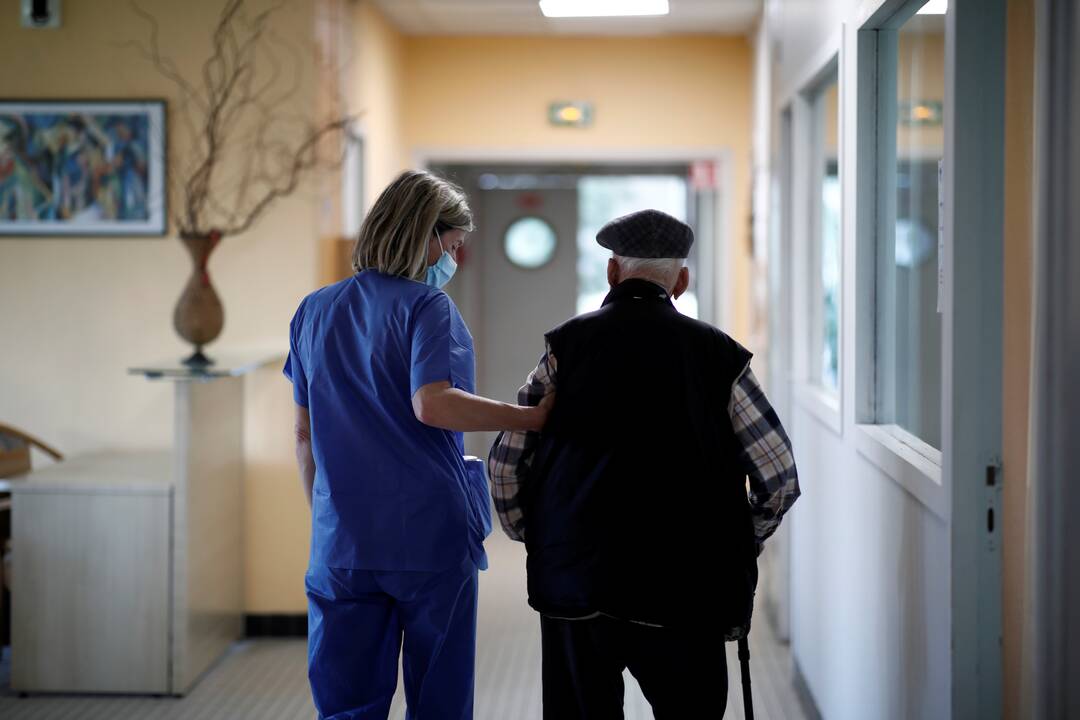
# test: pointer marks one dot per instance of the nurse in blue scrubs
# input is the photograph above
(383, 377)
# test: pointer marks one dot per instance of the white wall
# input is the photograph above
(870, 562)
(869, 585)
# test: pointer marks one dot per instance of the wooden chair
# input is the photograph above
(15, 451)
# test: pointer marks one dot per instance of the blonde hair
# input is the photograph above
(395, 234)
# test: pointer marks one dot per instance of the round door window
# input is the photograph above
(529, 242)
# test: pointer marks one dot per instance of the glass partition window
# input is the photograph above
(912, 67)
(604, 197)
(825, 253)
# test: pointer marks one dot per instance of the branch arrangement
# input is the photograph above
(246, 153)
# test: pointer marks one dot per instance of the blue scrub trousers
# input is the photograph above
(358, 621)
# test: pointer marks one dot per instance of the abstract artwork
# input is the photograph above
(82, 168)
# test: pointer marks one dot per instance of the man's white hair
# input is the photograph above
(663, 271)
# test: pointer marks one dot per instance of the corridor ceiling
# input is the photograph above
(522, 17)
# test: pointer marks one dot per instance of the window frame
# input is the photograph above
(911, 461)
(826, 404)
(816, 97)
(354, 180)
(780, 266)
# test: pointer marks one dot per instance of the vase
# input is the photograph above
(199, 315)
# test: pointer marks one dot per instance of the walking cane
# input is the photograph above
(744, 665)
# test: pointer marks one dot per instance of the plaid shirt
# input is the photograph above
(765, 453)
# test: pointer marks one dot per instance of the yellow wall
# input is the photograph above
(75, 313)
(492, 93)
(380, 83)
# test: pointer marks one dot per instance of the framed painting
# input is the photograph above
(82, 168)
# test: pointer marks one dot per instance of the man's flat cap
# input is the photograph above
(647, 234)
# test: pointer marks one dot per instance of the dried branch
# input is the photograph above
(162, 64)
(304, 159)
(245, 153)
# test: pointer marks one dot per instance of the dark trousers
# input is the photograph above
(683, 673)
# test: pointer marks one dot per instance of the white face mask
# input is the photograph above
(444, 268)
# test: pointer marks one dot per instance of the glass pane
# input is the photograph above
(920, 145)
(530, 242)
(826, 340)
(605, 197)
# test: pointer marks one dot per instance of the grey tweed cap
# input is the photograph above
(647, 234)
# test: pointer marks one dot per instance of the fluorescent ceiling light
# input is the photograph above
(934, 7)
(602, 8)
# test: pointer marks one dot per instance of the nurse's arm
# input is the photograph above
(304, 459)
(439, 405)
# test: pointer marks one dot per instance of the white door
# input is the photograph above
(511, 305)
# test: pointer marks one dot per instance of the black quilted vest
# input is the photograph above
(636, 503)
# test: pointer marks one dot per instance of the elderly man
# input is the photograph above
(642, 539)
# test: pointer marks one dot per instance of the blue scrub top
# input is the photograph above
(390, 493)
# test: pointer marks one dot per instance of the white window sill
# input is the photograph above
(910, 462)
(822, 404)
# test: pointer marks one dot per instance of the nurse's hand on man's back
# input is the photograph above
(440, 405)
(543, 410)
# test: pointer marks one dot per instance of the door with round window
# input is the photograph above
(530, 242)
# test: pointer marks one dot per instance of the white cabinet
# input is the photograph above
(128, 566)
(91, 570)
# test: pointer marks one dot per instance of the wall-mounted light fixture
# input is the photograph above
(920, 112)
(570, 114)
(602, 8)
(41, 13)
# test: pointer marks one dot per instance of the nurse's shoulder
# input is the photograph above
(384, 295)
(420, 304)
(324, 296)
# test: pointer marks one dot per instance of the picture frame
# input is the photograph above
(72, 168)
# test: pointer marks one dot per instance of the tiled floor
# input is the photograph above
(266, 679)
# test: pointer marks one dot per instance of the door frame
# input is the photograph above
(972, 329)
(714, 267)
(964, 486)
